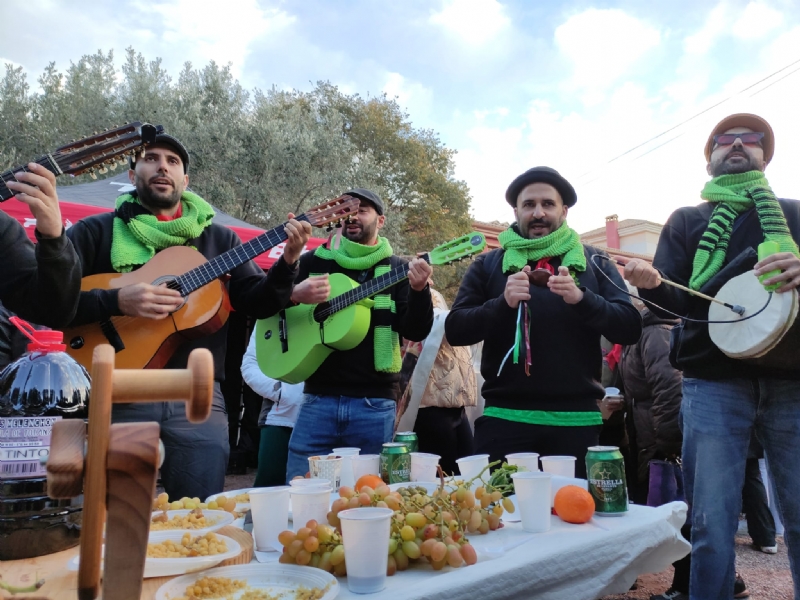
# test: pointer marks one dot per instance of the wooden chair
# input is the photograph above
(116, 471)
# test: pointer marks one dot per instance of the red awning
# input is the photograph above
(71, 213)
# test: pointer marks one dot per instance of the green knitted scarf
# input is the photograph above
(564, 241)
(733, 195)
(358, 257)
(138, 234)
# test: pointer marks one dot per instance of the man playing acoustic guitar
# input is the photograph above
(350, 400)
(160, 214)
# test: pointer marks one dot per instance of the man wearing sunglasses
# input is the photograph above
(725, 399)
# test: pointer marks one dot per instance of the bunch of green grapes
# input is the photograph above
(317, 544)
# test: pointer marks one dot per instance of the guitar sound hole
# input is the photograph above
(319, 316)
(171, 282)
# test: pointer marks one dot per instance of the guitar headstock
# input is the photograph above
(104, 150)
(337, 209)
(457, 249)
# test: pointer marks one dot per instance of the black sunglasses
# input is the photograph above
(749, 137)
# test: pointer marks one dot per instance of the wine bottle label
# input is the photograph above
(24, 442)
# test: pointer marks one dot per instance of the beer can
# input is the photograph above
(409, 438)
(395, 463)
(605, 469)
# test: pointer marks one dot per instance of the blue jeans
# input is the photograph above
(328, 422)
(718, 420)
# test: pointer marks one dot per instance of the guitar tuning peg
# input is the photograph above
(92, 174)
(102, 170)
(113, 166)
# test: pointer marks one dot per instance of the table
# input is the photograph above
(569, 562)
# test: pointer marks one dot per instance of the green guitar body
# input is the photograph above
(307, 343)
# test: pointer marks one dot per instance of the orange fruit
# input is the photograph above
(372, 481)
(573, 504)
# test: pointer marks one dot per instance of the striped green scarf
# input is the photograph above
(733, 195)
(138, 234)
(358, 257)
(564, 241)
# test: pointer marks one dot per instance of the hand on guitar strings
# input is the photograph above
(149, 301)
(313, 290)
(419, 271)
(786, 262)
(37, 189)
(297, 234)
(564, 285)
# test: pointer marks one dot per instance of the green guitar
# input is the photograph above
(293, 344)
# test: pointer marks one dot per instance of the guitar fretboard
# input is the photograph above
(228, 261)
(10, 175)
(365, 290)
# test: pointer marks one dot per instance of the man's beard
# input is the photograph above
(365, 234)
(726, 168)
(152, 199)
(528, 233)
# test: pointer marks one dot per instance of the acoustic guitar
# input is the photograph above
(293, 344)
(142, 343)
(94, 154)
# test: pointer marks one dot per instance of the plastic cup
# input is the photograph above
(529, 461)
(423, 466)
(310, 483)
(533, 499)
(310, 503)
(270, 509)
(559, 465)
(557, 482)
(347, 454)
(326, 467)
(471, 466)
(365, 533)
(365, 464)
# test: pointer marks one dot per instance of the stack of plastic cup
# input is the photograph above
(423, 466)
(528, 461)
(365, 464)
(326, 467)
(365, 533)
(471, 466)
(306, 483)
(563, 466)
(347, 477)
(533, 499)
(270, 510)
(310, 503)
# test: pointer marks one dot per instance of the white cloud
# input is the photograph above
(756, 21)
(717, 23)
(602, 46)
(411, 95)
(474, 21)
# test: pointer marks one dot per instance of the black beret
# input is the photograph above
(541, 175)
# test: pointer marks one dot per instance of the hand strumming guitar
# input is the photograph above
(313, 290)
(150, 301)
(297, 233)
(37, 189)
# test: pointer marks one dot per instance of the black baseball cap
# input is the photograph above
(369, 196)
(541, 175)
(164, 139)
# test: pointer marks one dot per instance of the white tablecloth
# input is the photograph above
(569, 562)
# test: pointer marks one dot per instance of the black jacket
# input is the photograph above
(653, 393)
(40, 283)
(352, 372)
(251, 291)
(565, 339)
(693, 351)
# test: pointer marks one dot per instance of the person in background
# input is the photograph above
(441, 422)
(760, 523)
(282, 402)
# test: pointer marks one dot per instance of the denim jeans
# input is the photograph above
(718, 420)
(328, 422)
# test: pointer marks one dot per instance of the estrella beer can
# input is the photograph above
(395, 463)
(605, 469)
(409, 438)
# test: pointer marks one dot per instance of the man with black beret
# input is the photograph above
(539, 305)
(350, 401)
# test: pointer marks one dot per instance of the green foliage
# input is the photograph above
(256, 155)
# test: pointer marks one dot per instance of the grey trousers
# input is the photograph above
(196, 453)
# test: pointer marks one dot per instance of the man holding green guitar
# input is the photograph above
(540, 304)
(162, 215)
(350, 399)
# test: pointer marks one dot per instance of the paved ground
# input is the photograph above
(767, 576)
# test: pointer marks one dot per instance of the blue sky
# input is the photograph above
(509, 84)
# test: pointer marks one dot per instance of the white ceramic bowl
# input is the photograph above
(240, 506)
(217, 519)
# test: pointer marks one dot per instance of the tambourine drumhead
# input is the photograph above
(754, 337)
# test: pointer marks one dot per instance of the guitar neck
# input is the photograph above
(228, 261)
(46, 161)
(366, 290)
